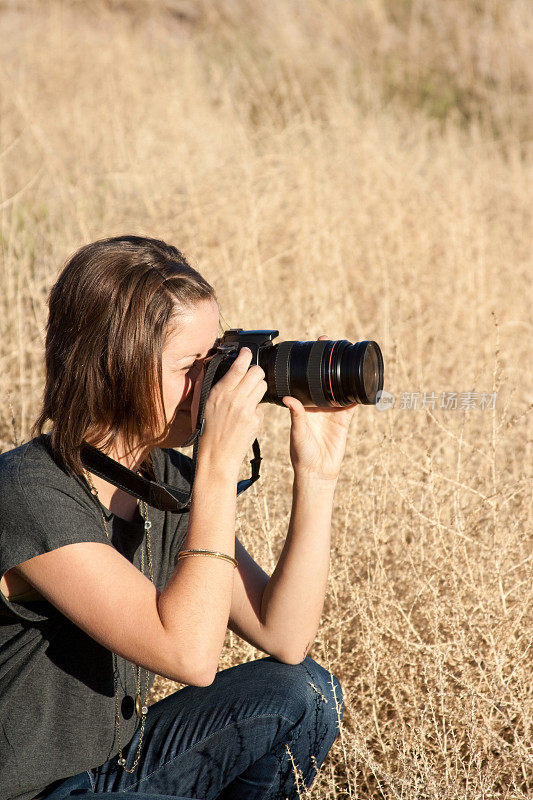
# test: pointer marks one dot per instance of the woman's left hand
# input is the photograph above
(318, 438)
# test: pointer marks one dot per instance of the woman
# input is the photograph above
(100, 591)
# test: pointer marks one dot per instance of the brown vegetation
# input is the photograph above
(363, 170)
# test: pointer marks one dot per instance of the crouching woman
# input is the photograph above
(100, 591)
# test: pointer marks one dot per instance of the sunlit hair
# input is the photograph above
(109, 314)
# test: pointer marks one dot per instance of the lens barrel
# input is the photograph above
(323, 373)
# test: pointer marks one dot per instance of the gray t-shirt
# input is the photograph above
(57, 701)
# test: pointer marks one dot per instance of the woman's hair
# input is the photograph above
(109, 313)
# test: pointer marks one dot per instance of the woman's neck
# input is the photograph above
(116, 500)
(130, 458)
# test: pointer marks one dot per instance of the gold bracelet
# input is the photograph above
(214, 553)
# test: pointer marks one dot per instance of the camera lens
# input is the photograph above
(323, 373)
(362, 372)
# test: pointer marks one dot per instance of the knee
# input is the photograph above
(326, 691)
(306, 691)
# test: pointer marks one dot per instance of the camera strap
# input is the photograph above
(158, 493)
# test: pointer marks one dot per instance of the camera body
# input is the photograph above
(236, 338)
(318, 373)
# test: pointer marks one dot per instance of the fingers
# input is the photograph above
(237, 371)
(258, 391)
(233, 415)
(298, 416)
(254, 378)
(243, 377)
(295, 406)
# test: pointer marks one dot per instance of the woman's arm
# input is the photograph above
(174, 633)
(293, 599)
(99, 590)
(195, 603)
(280, 615)
(178, 633)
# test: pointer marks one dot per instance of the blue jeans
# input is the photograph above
(235, 739)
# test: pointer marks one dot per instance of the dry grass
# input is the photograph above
(362, 170)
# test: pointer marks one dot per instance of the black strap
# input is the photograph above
(160, 494)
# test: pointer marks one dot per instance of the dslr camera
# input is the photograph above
(320, 373)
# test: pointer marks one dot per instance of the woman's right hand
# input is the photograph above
(233, 417)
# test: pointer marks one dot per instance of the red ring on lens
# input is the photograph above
(329, 372)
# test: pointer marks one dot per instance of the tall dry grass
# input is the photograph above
(362, 170)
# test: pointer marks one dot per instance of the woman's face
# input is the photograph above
(187, 344)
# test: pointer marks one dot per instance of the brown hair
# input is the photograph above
(109, 313)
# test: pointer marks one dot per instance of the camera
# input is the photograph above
(319, 373)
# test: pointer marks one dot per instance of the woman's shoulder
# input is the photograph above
(27, 459)
(30, 472)
(32, 459)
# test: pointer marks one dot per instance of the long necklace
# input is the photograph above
(141, 709)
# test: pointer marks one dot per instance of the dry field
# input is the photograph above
(363, 170)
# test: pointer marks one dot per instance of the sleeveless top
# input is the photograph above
(57, 699)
